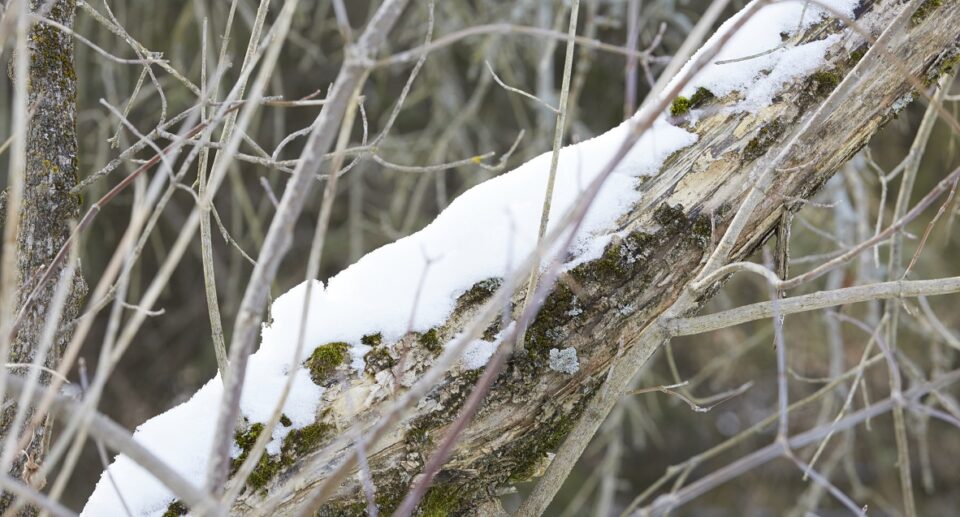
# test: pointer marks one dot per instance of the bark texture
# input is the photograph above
(532, 408)
(48, 207)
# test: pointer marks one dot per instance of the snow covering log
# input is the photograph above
(379, 325)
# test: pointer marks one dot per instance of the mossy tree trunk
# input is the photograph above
(48, 206)
(531, 407)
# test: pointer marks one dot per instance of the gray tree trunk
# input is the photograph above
(48, 207)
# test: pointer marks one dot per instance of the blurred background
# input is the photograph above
(456, 110)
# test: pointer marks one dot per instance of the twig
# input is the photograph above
(926, 233)
(776, 449)
(206, 243)
(944, 185)
(560, 126)
(66, 30)
(473, 160)
(899, 424)
(809, 302)
(630, 68)
(780, 343)
(850, 394)
(509, 28)
(518, 90)
(101, 450)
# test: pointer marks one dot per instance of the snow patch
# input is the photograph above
(478, 352)
(357, 352)
(757, 61)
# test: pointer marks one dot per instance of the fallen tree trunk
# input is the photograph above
(608, 308)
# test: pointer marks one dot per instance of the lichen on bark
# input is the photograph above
(48, 206)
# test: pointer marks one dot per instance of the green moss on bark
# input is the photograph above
(819, 85)
(949, 63)
(176, 509)
(296, 444)
(924, 10)
(324, 361)
(701, 97)
(378, 359)
(306, 439)
(450, 400)
(622, 260)
(479, 293)
(766, 137)
(680, 106)
(525, 456)
(372, 339)
(431, 340)
(858, 54)
(440, 501)
(529, 457)
(544, 331)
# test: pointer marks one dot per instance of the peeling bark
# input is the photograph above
(532, 408)
(48, 207)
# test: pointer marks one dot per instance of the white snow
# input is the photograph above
(760, 77)
(478, 352)
(483, 232)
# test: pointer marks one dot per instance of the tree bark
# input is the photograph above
(48, 207)
(619, 297)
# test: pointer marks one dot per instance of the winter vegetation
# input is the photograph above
(576, 257)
